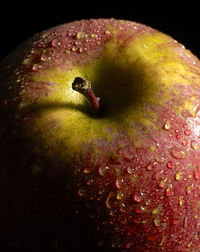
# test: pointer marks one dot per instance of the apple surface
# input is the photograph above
(117, 168)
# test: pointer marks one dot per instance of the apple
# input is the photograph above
(100, 137)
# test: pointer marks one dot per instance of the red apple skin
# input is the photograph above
(128, 198)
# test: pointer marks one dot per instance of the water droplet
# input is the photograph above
(187, 132)
(169, 192)
(107, 32)
(93, 35)
(181, 201)
(178, 176)
(149, 166)
(155, 211)
(122, 207)
(44, 57)
(162, 183)
(178, 153)
(119, 182)
(156, 222)
(167, 126)
(120, 195)
(130, 170)
(194, 145)
(86, 171)
(148, 202)
(27, 61)
(81, 192)
(56, 42)
(80, 49)
(74, 49)
(108, 200)
(185, 222)
(137, 197)
(103, 170)
(184, 142)
(170, 164)
(197, 174)
(35, 67)
(189, 189)
(81, 35)
(159, 159)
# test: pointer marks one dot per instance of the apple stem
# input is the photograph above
(83, 86)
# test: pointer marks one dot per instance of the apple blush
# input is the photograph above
(100, 141)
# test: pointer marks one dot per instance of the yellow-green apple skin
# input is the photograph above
(132, 174)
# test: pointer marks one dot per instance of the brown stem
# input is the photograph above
(83, 86)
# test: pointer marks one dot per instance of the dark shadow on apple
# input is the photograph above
(119, 88)
(39, 212)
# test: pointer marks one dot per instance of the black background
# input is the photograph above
(20, 21)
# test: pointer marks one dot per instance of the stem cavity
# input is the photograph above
(83, 86)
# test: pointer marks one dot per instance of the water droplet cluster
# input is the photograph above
(145, 192)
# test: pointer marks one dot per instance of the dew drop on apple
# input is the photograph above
(119, 182)
(108, 200)
(169, 192)
(178, 153)
(81, 192)
(187, 132)
(56, 42)
(196, 174)
(103, 170)
(184, 142)
(137, 197)
(81, 35)
(122, 207)
(178, 176)
(35, 67)
(130, 170)
(188, 189)
(120, 195)
(159, 159)
(44, 57)
(170, 164)
(149, 166)
(167, 126)
(185, 222)
(86, 171)
(156, 222)
(194, 145)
